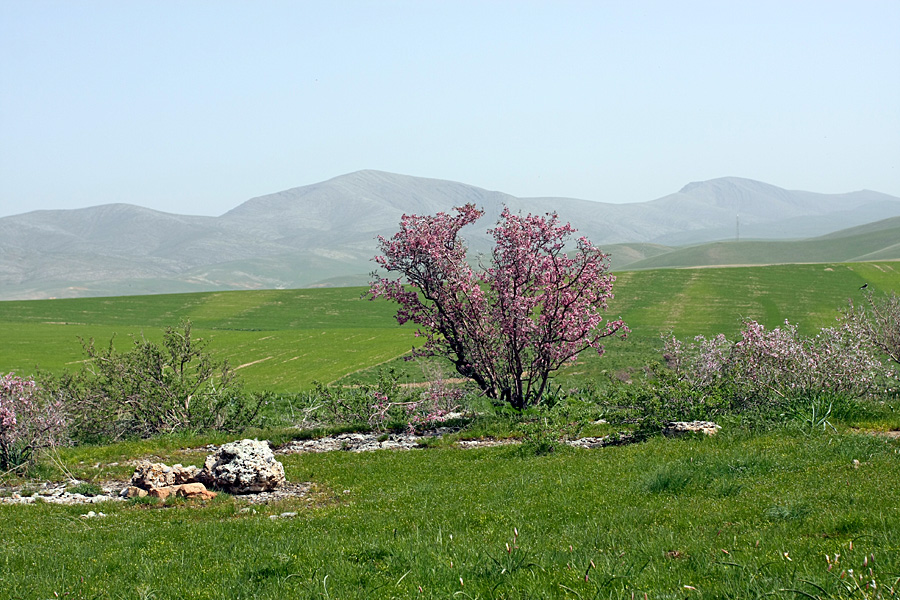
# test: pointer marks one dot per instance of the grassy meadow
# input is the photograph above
(777, 515)
(788, 511)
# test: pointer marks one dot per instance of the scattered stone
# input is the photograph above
(243, 467)
(284, 515)
(353, 442)
(286, 491)
(91, 515)
(855, 463)
(56, 493)
(486, 443)
(601, 442)
(679, 428)
(249, 468)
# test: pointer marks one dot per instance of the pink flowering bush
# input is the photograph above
(28, 422)
(778, 365)
(877, 322)
(437, 404)
(510, 324)
(388, 405)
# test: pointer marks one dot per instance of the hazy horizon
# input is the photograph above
(194, 108)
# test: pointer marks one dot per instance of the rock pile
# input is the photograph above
(242, 467)
(57, 493)
(158, 480)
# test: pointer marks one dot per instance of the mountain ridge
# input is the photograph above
(326, 231)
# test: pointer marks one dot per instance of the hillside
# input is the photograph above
(875, 241)
(325, 234)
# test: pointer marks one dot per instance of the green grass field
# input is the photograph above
(283, 340)
(736, 516)
(785, 511)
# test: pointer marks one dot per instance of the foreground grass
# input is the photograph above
(732, 516)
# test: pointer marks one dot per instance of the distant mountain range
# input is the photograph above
(324, 234)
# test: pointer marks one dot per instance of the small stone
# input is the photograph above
(132, 491)
(194, 491)
(855, 463)
(190, 491)
(161, 492)
(288, 515)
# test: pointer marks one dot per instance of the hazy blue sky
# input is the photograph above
(194, 107)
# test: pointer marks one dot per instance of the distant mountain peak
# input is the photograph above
(720, 183)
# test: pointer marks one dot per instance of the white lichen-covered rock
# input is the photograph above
(148, 475)
(243, 467)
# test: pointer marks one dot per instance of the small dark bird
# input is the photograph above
(864, 286)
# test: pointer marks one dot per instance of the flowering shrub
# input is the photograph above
(766, 366)
(437, 403)
(510, 325)
(878, 323)
(28, 422)
(385, 404)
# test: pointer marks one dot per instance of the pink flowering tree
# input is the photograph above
(507, 325)
(28, 422)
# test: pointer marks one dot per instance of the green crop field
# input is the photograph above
(278, 340)
(283, 340)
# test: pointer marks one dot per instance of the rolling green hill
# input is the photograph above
(283, 340)
(875, 241)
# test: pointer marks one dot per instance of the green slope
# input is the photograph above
(876, 241)
(283, 340)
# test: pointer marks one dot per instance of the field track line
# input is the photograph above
(253, 363)
(387, 360)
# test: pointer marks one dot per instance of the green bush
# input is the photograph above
(153, 389)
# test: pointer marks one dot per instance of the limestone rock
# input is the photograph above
(243, 467)
(149, 475)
